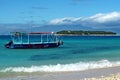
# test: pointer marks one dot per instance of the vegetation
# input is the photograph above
(66, 32)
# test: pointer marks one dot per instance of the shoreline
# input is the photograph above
(85, 35)
(72, 75)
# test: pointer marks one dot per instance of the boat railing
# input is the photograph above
(24, 38)
(33, 42)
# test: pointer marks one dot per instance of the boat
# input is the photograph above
(33, 40)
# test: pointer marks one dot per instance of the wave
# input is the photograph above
(80, 66)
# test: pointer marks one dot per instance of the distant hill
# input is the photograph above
(69, 32)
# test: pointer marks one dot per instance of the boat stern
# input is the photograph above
(9, 44)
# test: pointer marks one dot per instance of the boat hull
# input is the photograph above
(32, 46)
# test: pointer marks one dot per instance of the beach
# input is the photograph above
(60, 40)
(80, 58)
(112, 73)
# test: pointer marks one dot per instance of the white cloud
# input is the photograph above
(100, 21)
(63, 21)
(102, 18)
(96, 21)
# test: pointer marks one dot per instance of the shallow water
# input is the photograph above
(77, 53)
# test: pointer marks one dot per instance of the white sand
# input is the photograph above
(95, 74)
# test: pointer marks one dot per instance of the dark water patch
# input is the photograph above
(107, 48)
(94, 49)
(47, 57)
(81, 51)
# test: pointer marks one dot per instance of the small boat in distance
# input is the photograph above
(20, 40)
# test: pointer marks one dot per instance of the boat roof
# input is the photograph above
(32, 33)
(41, 33)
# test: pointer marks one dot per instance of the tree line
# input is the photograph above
(80, 32)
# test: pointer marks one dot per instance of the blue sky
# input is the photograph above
(45, 13)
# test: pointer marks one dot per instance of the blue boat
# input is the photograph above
(20, 40)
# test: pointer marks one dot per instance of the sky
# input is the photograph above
(56, 15)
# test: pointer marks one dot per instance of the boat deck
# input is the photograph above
(33, 42)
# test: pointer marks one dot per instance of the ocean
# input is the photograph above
(78, 53)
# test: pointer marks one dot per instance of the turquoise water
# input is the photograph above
(77, 53)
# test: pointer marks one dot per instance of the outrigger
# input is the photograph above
(20, 40)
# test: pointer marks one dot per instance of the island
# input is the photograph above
(86, 33)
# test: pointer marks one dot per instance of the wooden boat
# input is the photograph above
(44, 40)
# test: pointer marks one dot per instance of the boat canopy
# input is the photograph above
(41, 33)
(40, 37)
(32, 33)
(23, 40)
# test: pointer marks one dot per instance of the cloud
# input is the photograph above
(6, 28)
(110, 17)
(96, 21)
(61, 21)
(100, 21)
